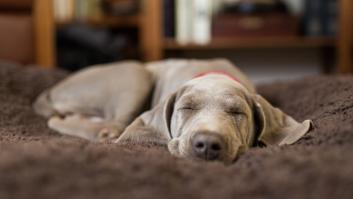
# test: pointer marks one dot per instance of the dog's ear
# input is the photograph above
(275, 127)
(152, 126)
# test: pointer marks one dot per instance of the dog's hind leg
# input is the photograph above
(91, 128)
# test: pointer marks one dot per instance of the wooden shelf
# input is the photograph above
(264, 42)
(110, 21)
(118, 21)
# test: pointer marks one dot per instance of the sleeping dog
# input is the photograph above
(205, 110)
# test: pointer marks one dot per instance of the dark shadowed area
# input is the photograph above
(37, 163)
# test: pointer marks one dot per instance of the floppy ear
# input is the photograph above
(152, 126)
(275, 127)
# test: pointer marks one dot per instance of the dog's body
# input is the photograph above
(200, 109)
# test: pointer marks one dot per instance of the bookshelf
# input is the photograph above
(342, 44)
(153, 45)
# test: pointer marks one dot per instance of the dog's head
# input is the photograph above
(215, 118)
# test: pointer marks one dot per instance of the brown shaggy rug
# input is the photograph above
(37, 163)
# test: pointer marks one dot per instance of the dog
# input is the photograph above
(200, 109)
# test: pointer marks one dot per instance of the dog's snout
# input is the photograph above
(207, 146)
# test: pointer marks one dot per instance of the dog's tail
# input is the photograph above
(43, 105)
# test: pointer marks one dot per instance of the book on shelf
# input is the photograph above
(201, 24)
(256, 25)
(320, 18)
(64, 10)
(193, 21)
(169, 18)
(183, 21)
(330, 17)
(67, 11)
(81, 10)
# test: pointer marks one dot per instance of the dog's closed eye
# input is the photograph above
(189, 105)
(187, 108)
(234, 111)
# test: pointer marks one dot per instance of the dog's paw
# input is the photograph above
(109, 133)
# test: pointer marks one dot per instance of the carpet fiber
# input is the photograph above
(35, 162)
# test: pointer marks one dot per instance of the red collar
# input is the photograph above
(218, 73)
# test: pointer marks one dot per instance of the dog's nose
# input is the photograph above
(207, 146)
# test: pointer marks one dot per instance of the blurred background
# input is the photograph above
(268, 39)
